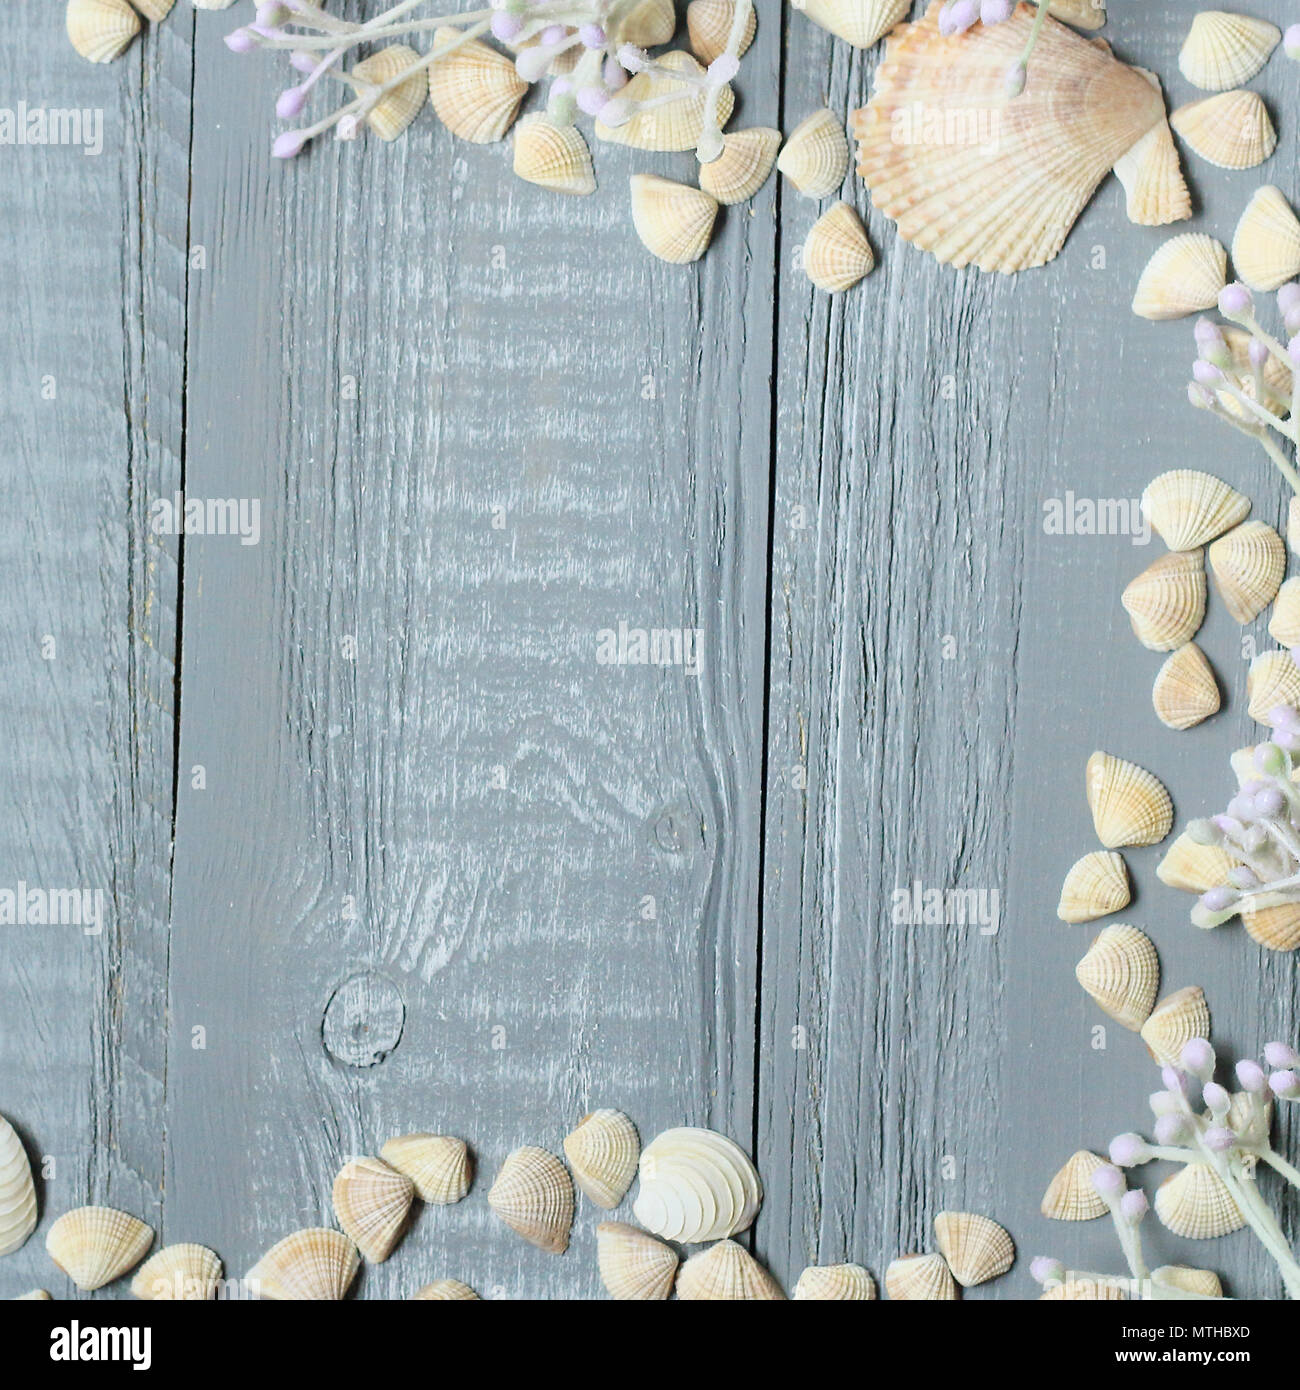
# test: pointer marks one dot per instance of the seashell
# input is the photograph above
(1129, 805)
(1070, 1196)
(977, 1249)
(634, 1266)
(397, 109)
(1122, 973)
(154, 10)
(920, 1278)
(858, 22)
(474, 91)
(696, 1185)
(438, 1165)
(674, 221)
(1083, 14)
(1275, 928)
(1103, 1290)
(101, 30)
(553, 156)
(1231, 130)
(1184, 276)
(212, 4)
(1249, 563)
(446, 1291)
(673, 125)
(829, 1283)
(1201, 1281)
(315, 1265)
(1224, 50)
(34, 1295)
(17, 1191)
(533, 1195)
(1284, 621)
(603, 1152)
(726, 1272)
(1152, 174)
(1273, 680)
(1194, 1203)
(178, 1273)
(1096, 886)
(1185, 691)
(372, 1202)
(1277, 377)
(1266, 244)
(1174, 1022)
(651, 23)
(95, 1245)
(836, 252)
(816, 156)
(1166, 602)
(1194, 868)
(743, 167)
(1188, 509)
(1007, 180)
(709, 24)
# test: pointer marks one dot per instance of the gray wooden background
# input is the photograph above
(430, 832)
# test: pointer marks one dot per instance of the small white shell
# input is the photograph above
(1194, 1203)
(674, 125)
(858, 22)
(696, 1185)
(1183, 277)
(17, 1191)
(1223, 50)
(1266, 244)
(1095, 886)
(816, 156)
(920, 1278)
(1284, 621)
(474, 91)
(1231, 130)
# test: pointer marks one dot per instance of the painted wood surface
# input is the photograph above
(385, 847)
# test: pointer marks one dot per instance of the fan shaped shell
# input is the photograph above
(674, 125)
(858, 22)
(674, 221)
(101, 30)
(709, 24)
(1223, 50)
(396, 109)
(979, 180)
(1070, 1196)
(695, 1186)
(602, 1153)
(1192, 867)
(1174, 1022)
(1151, 172)
(726, 1272)
(835, 1283)
(553, 156)
(1121, 971)
(744, 166)
(1274, 680)
(976, 1247)
(836, 252)
(920, 1278)
(372, 1201)
(438, 1164)
(649, 24)
(1095, 886)
(1129, 805)
(1276, 928)
(1195, 1204)
(474, 91)
(1189, 509)
(1166, 602)
(1231, 130)
(1185, 691)
(1284, 621)
(634, 1266)
(315, 1265)
(445, 1291)
(17, 1191)
(1199, 1281)
(533, 1195)
(1249, 563)
(815, 158)
(178, 1273)
(1266, 244)
(95, 1245)
(1183, 276)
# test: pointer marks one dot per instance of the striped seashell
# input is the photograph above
(394, 111)
(94, 1246)
(1183, 277)
(1129, 805)
(602, 1153)
(553, 156)
(634, 1266)
(1174, 1022)
(17, 1191)
(438, 1164)
(314, 1265)
(1273, 680)
(668, 125)
(1195, 1204)
(1166, 602)
(1185, 691)
(1223, 50)
(1095, 886)
(1201, 1281)
(1278, 378)
(1188, 509)
(1151, 173)
(445, 1291)
(1275, 928)
(1121, 971)
(726, 1272)
(834, 1283)
(178, 1273)
(1249, 563)
(474, 91)
(674, 221)
(649, 24)
(746, 163)
(836, 252)
(533, 1195)
(1266, 244)
(815, 158)
(1192, 867)
(154, 10)
(372, 1201)
(977, 1248)
(1284, 621)
(1231, 130)
(1070, 1196)
(101, 30)
(709, 24)
(920, 1278)
(858, 22)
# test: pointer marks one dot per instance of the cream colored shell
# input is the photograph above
(94, 1246)
(834, 1283)
(154, 10)
(438, 1164)
(836, 252)
(602, 1153)
(1201, 1281)
(1195, 1204)
(674, 221)
(726, 1272)
(1249, 563)
(1223, 50)
(314, 1265)
(1130, 806)
(395, 110)
(17, 1191)
(675, 125)
(696, 1185)
(533, 1195)
(1166, 602)
(1095, 886)
(649, 24)
(976, 1247)
(553, 156)
(445, 1291)
(1174, 1022)
(1193, 868)
(920, 1278)
(1183, 276)
(744, 166)
(178, 1273)
(1231, 130)
(101, 30)
(858, 22)
(1266, 244)
(1121, 971)
(372, 1201)
(1284, 621)
(1070, 1196)
(1188, 509)
(709, 24)
(474, 91)
(1275, 928)
(1083, 14)
(1273, 680)
(634, 1266)
(815, 157)
(1185, 691)
(1151, 172)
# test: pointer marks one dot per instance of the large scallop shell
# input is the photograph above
(1192, 867)
(1249, 563)
(553, 156)
(920, 1278)
(533, 1195)
(1166, 602)
(634, 1266)
(815, 158)
(101, 30)
(17, 1191)
(1275, 928)
(1070, 1196)
(1174, 1022)
(649, 24)
(743, 167)
(1095, 886)
(445, 1291)
(397, 109)
(673, 125)
(95, 1245)
(602, 1152)
(709, 24)
(1182, 277)
(674, 221)
(1122, 973)
(1155, 190)
(178, 1273)
(834, 1283)
(1201, 1281)
(975, 178)
(977, 1248)
(1185, 691)
(474, 91)
(1284, 620)
(1273, 680)
(1130, 806)
(1189, 509)
(1232, 130)
(726, 1272)
(315, 1265)
(372, 1201)
(696, 1185)
(1223, 50)
(1195, 1204)
(438, 1164)
(836, 252)
(858, 22)
(1266, 244)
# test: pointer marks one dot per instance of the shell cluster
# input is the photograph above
(972, 1249)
